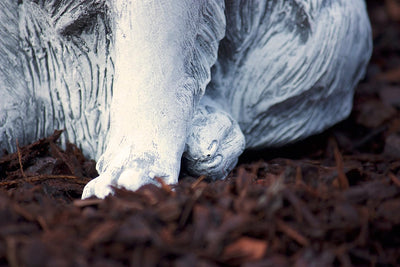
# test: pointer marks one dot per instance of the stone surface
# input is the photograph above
(125, 79)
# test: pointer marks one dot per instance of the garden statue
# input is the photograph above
(143, 85)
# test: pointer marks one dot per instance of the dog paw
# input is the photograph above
(139, 173)
(214, 144)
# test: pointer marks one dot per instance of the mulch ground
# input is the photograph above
(333, 199)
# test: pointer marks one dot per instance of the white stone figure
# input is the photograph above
(139, 84)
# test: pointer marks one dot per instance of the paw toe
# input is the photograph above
(98, 188)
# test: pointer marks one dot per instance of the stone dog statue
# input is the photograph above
(143, 85)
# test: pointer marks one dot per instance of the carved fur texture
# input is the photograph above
(140, 85)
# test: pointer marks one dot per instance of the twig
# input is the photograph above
(167, 188)
(81, 203)
(189, 207)
(302, 209)
(23, 212)
(342, 254)
(292, 233)
(20, 159)
(58, 154)
(42, 222)
(299, 176)
(198, 181)
(11, 244)
(42, 177)
(394, 179)
(342, 178)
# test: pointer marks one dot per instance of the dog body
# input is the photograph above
(140, 84)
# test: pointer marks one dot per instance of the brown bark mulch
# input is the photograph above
(331, 200)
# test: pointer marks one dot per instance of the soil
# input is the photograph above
(330, 200)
